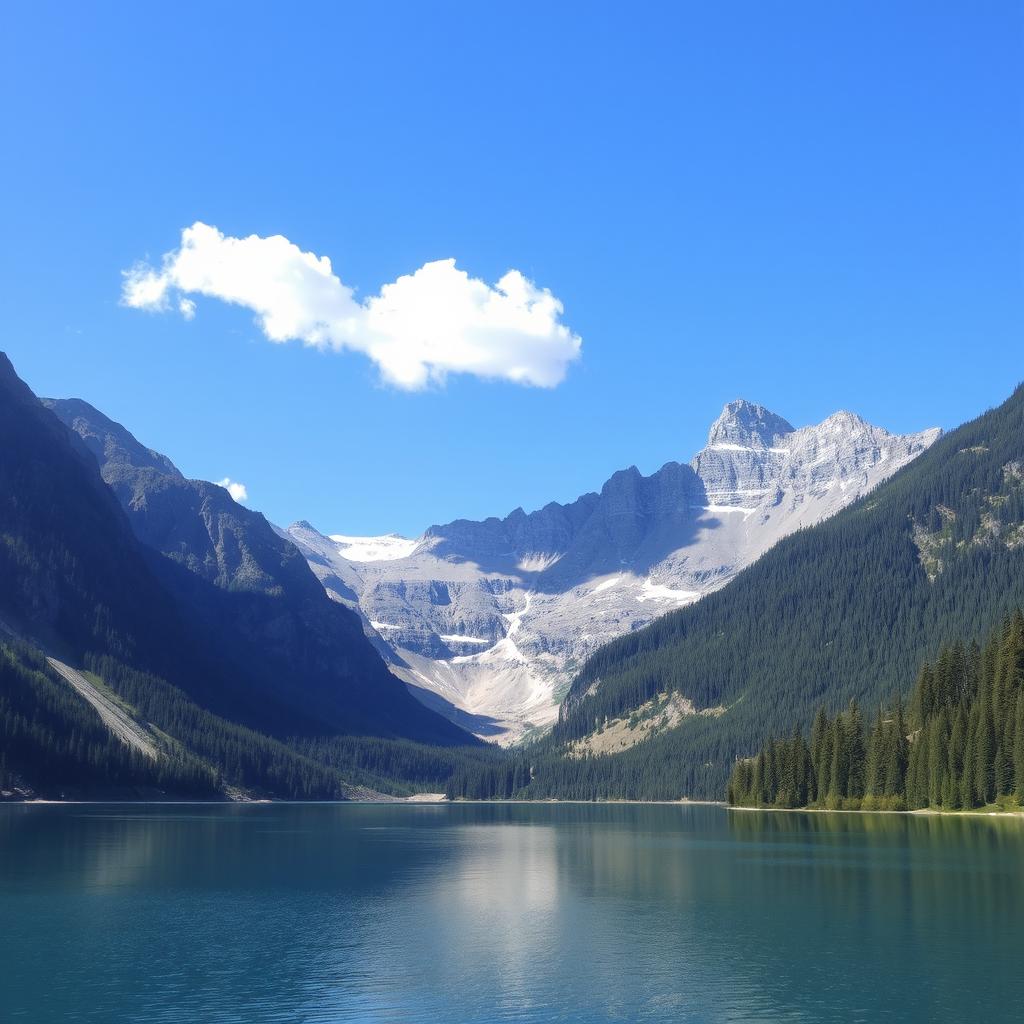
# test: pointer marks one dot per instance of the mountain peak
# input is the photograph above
(107, 439)
(844, 420)
(748, 425)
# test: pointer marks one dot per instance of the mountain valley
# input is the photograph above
(489, 621)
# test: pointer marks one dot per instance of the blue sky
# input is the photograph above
(814, 206)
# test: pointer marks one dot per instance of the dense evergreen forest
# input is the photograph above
(50, 734)
(54, 743)
(398, 767)
(958, 745)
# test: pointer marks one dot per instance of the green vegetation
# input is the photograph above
(54, 743)
(398, 767)
(225, 680)
(504, 779)
(241, 757)
(844, 611)
(49, 734)
(959, 745)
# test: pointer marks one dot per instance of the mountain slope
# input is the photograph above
(845, 610)
(249, 592)
(100, 649)
(495, 617)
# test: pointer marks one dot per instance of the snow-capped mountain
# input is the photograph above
(489, 620)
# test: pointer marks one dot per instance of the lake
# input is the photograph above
(490, 913)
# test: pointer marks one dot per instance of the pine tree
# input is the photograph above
(757, 793)
(951, 796)
(856, 756)
(874, 771)
(938, 757)
(984, 752)
(839, 775)
(819, 732)
(1018, 747)
(917, 788)
(897, 754)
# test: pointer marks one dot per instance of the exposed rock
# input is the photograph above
(495, 616)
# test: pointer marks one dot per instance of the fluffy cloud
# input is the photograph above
(418, 329)
(234, 488)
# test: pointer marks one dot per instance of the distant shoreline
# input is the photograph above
(396, 802)
(918, 812)
(423, 800)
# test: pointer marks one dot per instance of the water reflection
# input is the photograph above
(505, 912)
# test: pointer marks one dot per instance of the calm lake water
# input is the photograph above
(490, 913)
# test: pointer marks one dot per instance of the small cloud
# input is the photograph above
(234, 488)
(417, 329)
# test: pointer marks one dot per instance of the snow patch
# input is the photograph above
(455, 638)
(728, 508)
(537, 562)
(606, 585)
(387, 548)
(651, 591)
(724, 446)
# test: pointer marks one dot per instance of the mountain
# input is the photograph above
(70, 569)
(249, 592)
(124, 673)
(845, 610)
(489, 621)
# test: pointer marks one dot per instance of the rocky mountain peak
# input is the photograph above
(846, 422)
(109, 441)
(747, 425)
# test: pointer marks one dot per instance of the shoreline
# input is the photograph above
(926, 812)
(430, 800)
(418, 800)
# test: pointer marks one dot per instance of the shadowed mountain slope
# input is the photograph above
(249, 594)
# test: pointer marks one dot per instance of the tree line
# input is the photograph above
(958, 744)
(845, 610)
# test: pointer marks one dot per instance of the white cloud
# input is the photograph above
(234, 488)
(418, 329)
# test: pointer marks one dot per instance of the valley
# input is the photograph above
(489, 621)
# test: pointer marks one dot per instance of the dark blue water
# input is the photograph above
(490, 913)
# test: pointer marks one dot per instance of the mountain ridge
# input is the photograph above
(495, 615)
(250, 592)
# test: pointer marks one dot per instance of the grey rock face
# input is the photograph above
(749, 426)
(193, 522)
(495, 616)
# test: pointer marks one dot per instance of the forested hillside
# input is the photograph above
(843, 611)
(76, 584)
(960, 744)
(53, 744)
(53, 739)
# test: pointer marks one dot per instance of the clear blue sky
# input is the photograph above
(811, 205)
